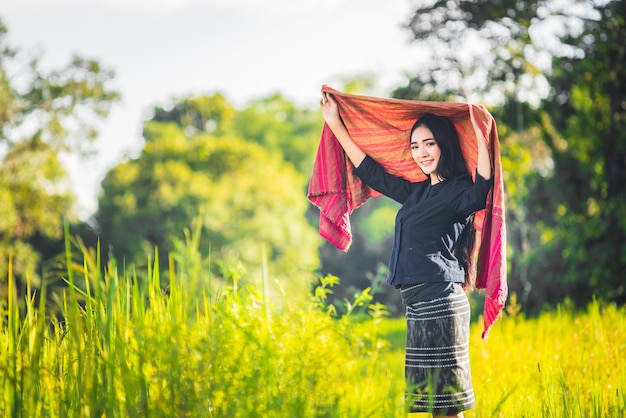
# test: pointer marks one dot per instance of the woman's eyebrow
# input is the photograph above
(421, 140)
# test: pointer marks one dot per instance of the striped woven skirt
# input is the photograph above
(437, 367)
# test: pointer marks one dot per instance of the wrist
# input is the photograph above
(336, 125)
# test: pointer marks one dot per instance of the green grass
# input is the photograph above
(124, 346)
(561, 364)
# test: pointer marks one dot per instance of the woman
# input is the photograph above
(430, 260)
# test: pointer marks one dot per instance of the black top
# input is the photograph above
(428, 224)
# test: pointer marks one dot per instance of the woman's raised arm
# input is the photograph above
(484, 163)
(334, 122)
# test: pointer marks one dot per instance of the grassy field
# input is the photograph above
(125, 347)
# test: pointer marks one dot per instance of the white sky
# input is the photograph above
(245, 49)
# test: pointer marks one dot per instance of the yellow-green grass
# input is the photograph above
(560, 364)
(125, 347)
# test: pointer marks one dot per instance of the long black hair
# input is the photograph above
(452, 164)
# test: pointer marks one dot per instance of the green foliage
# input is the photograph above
(275, 123)
(124, 346)
(248, 199)
(563, 147)
(42, 116)
(32, 208)
(378, 225)
(357, 308)
(559, 364)
(481, 50)
(281, 127)
(586, 134)
(196, 115)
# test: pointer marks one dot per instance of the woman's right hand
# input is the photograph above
(334, 122)
(330, 111)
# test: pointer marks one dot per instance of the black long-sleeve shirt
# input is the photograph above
(428, 224)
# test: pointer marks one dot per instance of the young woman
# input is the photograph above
(430, 260)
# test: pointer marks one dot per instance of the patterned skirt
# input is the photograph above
(437, 367)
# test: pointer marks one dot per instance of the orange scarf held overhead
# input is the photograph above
(380, 126)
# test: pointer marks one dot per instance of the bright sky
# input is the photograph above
(245, 49)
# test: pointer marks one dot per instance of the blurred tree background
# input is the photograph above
(202, 158)
(552, 73)
(43, 116)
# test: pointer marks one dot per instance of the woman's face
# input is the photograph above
(425, 151)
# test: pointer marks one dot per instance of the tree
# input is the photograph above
(248, 199)
(481, 50)
(565, 119)
(42, 116)
(283, 128)
(199, 114)
(584, 126)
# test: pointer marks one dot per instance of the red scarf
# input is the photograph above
(381, 127)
